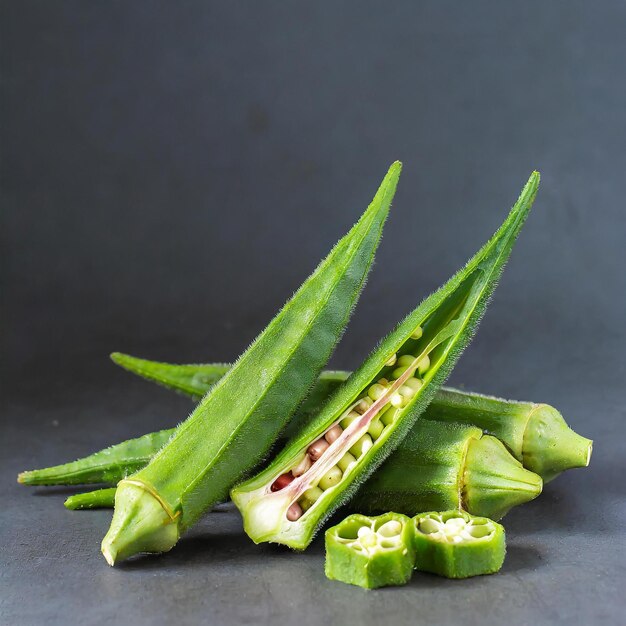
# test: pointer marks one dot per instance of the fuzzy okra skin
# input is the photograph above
(441, 466)
(370, 552)
(234, 425)
(370, 414)
(456, 544)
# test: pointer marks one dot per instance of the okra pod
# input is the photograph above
(455, 544)
(234, 425)
(96, 499)
(536, 434)
(440, 466)
(378, 404)
(371, 552)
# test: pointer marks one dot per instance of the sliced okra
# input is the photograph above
(456, 544)
(370, 552)
(242, 415)
(440, 328)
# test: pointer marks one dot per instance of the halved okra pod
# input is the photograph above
(370, 414)
(233, 427)
(442, 466)
(371, 552)
(456, 544)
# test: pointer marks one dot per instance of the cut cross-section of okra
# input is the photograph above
(370, 552)
(370, 414)
(241, 417)
(456, 544)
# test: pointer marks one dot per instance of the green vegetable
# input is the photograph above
(97, 499)
(443, 466)
(536, 434)
(275, 504)
(370, 552)
(456, 544)
(233, 427)
(107, 466)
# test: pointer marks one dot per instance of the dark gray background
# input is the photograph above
(172, 171)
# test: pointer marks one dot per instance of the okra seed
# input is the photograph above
(333, 433)
(376, 428)
(363, 405)
(367, 537)
(417, 333)
(331, 478)
(362, 446)
(383, 381)
(392, 360)
(317, 448)
(414, 383)
(390, 528)
(345, 461)
(399, 371)
(348, 419)
(423, 365)
(282, 481)
(310, 497)
(397, 400)
(294, 512)
(389, 415)
(406, 359)
(406, 391)
(376, 391)
(302, 467)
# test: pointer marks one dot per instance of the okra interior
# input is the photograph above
(320, 466)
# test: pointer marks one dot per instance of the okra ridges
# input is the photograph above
(325, 462)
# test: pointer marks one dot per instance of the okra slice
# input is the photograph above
(370, 414)
(96, 499)
(370, 552)
(235, 424)
(441, 466)
(456, 544)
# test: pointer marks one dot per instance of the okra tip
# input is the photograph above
(551, 446)
(140, 523)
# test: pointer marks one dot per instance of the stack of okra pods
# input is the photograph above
(385, 437)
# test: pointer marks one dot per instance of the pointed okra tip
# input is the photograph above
(140, 524)
(550, 446)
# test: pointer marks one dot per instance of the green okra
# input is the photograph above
(96, 499)
(536, 434)
(234, 425)
(370, 552)
(456, 544)
(106, 466)
(440, 466)
(370, 414)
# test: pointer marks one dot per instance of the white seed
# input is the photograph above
(390, 528)
(417, 333)
(406, 392)
(423, 365)
(333, 433)
(397, 400)
(303, 466)
(367, 537)
(363, 405)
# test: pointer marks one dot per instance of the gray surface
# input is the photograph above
(171, 173)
